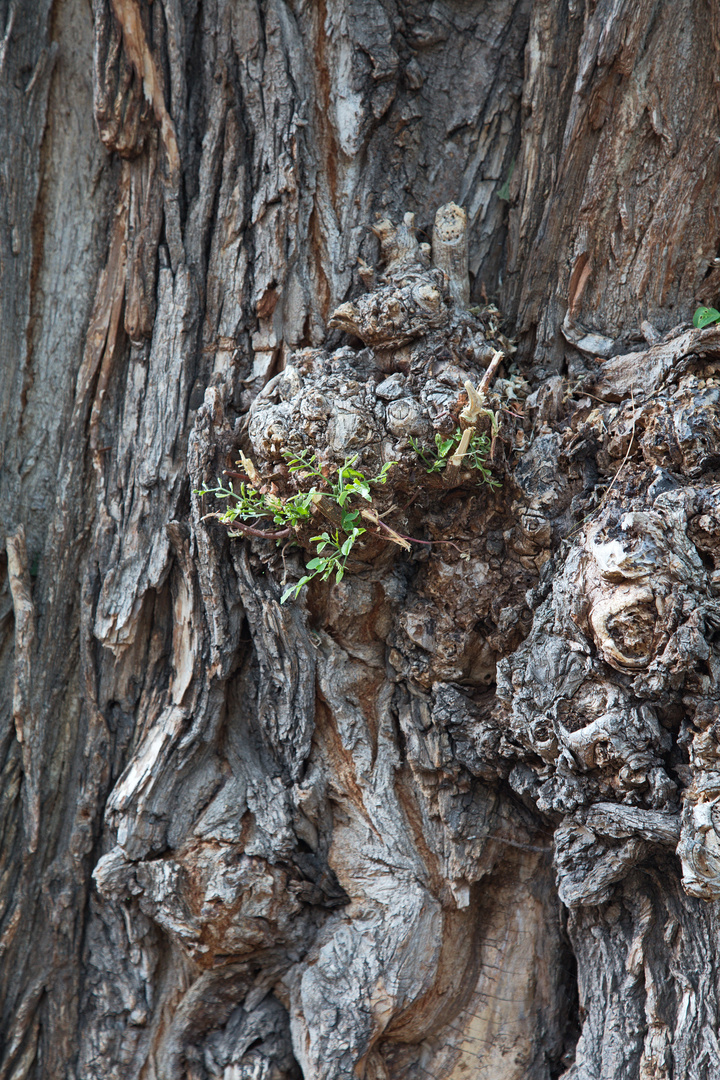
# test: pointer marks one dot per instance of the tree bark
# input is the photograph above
(453, 815)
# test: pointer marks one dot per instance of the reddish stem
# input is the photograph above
(414, 540)
(249, 531)
(237, 475)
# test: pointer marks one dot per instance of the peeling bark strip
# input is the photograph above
(25, 644)
(458, 814)
(127, 13)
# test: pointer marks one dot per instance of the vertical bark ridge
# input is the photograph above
(614, 116)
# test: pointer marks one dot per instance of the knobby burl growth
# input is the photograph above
(607, 714)
(427, 374)
(541, 657)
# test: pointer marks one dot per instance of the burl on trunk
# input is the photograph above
(360, 500)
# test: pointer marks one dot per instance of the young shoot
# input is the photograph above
(334, 562)
(476, 455)
(348, 482)
(248, 507)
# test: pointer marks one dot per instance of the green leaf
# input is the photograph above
(316, 564)
(705, 316)
(296, 587)
(347, 546)
(383, 475)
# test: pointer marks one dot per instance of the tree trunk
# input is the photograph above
(454, 814)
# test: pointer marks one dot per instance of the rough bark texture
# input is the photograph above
(457, 815)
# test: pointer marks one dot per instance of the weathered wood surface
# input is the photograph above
(457, 815)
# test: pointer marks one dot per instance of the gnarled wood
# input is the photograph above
(454, 814)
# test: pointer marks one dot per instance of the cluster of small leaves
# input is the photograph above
(476, 455)
(349, 481)
(334, 562)
(250, 505)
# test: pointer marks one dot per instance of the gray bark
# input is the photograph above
(454, 815)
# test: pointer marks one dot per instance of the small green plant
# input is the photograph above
(293, 511)
(705, 316)
(349, 480)
(434, 460)
(475, 456)
(250, 505)
(323, 566)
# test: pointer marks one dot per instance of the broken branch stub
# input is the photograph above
(450, 250)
